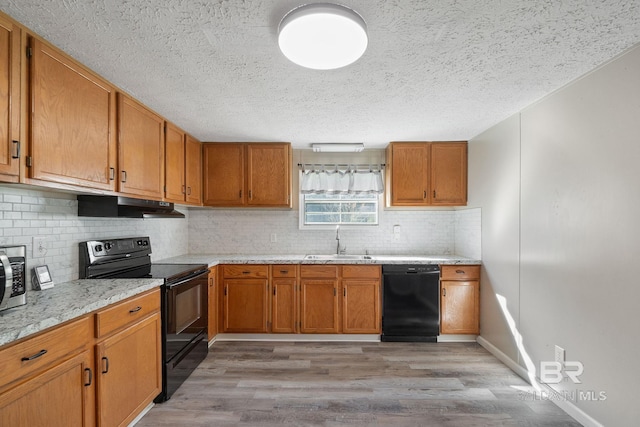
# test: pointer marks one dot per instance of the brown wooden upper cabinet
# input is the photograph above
(9, 100)
(247, 174)
(72, 122)
(427, 174)
(183, 166)
(140, 150)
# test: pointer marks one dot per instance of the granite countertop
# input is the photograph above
(213, 260)
(66, 301)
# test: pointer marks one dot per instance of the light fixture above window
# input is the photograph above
(322, 36)
(338, 147)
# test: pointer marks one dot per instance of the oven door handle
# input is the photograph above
(189, 278)
(8, 280)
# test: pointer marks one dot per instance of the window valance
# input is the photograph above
(341, 179)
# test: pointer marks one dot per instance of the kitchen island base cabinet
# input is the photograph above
(460, 299)
(58, 397)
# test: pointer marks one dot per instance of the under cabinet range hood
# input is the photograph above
(125, 207)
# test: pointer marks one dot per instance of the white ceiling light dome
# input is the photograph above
(322, 36)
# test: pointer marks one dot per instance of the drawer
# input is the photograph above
(127, 312)
(284, 270)
(247, 271)
(460, 272)
(319, 271)
(361, 271)
(42, 351)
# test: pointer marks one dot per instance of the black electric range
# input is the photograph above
(183, 305)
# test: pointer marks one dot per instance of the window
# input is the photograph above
(340, 194)
(333, 209)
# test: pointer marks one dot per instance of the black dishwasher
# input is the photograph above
(410, 303)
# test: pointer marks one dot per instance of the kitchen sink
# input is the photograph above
(336, 257)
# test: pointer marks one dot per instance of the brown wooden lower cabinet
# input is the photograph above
(460, 299)
(319, 306)
(66, 376)
(129, 371)
(284, 305)
(246, 305)
(308, 299)
(59, 396)
(361, 306)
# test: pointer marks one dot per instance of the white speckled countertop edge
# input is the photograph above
(66, 301)
(212, 260)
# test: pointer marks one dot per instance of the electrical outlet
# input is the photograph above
(274, 238)
(396, 232)
(39, 247)
(559, 355)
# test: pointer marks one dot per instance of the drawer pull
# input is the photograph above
(135, 310)
(459, 271)
(105, 363)
(35, 356)
(90, 380)
(246, 272)
(284, 271)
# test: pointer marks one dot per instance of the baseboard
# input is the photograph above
(568, 407)
(141, 414)
(297, 337)
(457, 338)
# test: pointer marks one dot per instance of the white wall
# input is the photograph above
(575, 284)
(28, 213)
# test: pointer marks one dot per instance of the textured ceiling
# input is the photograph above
(434, 70)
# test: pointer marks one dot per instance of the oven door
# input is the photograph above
(186, 314)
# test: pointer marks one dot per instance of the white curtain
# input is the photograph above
(341, 179)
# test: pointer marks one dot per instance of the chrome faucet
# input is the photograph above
(339, 249)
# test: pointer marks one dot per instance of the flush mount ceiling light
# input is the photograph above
(338, 148)
(322, 36)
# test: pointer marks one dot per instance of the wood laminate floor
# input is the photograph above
(354, 384)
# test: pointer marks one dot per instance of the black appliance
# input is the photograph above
(127, 207)
(183, 305)
(410, 303)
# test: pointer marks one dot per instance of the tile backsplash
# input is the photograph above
(52, 216)
(26, 213)
(224, 231)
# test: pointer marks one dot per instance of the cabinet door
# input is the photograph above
(283, 306)
(140, 149)
(193, 174)
(246, 305)
(409, 173)
(449, 174)
(174, 180)
(460, 307)
(212, 327)
(319, 306)
(72, 122)
(61, 396)
(10, 100)
(129, 373)
(269, 175)
(223, 174)
(361, 306)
